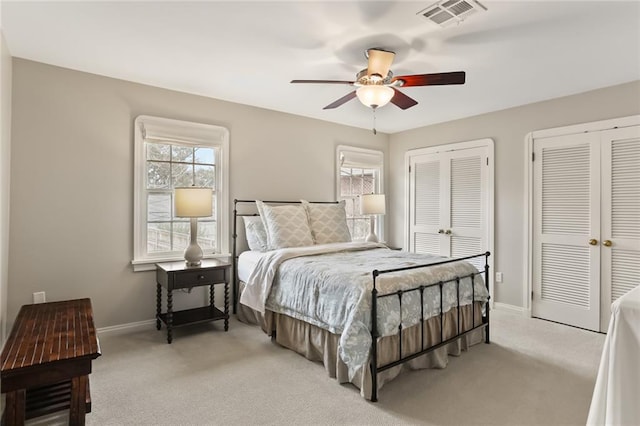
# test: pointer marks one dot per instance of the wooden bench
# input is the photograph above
(46, 361)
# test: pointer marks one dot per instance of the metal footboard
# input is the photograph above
(375, 369)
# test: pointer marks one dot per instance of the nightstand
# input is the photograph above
(177, 275)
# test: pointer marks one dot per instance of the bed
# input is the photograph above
(316, 292)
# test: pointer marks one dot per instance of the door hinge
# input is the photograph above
(533, 156)
(487, 161)
(409, 169)
(531, 294)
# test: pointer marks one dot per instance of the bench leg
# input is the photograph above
(15, 405)
(78, 407)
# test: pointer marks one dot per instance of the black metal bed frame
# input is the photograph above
(459, 333)
(375, 369)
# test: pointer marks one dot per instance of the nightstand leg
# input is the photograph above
(211, 296)
(226, 306)
(169, 315)
(158, 304)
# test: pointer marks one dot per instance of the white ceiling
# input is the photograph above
(516, 53)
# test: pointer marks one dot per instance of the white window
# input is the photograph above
(170, 154)
(359, 172)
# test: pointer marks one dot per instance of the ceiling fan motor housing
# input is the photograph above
(364, 79)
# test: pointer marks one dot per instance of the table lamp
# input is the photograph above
(372, 204)
(193, 202)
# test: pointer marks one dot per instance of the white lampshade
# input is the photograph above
(193, 202)
(375, 95)
(372, 204)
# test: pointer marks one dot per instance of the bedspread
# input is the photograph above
(330, 286)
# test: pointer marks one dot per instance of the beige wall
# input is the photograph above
(508, 129)
(72, 176)
(5, 174)
(72, 179)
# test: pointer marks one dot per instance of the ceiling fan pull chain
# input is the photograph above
(375, 132)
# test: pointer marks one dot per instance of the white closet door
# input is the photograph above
(427, 204)
(620, 252)
(449, 203)
(566, 267)
(468, 206)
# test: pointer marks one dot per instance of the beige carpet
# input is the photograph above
(533, 372)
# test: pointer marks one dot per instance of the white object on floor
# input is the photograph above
(617, 391)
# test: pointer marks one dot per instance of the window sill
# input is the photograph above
(150, 264)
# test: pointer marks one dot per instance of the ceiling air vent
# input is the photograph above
(447, 12)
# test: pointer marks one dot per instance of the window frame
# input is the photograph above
(367, 159)
(177, 132)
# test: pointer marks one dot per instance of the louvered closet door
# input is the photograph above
(429, 198)
(566, 267)
(467, 215)
(620, 260)
(449, 203)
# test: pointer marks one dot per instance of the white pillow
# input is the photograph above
(286, 226)
(255, 233)
(328, 222)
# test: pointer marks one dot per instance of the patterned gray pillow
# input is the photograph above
(255, 233)
(328, 222)
(286, 226)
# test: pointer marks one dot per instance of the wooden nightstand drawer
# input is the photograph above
(197, 278)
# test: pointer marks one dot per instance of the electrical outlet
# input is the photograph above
(498, 277)
(39, 297)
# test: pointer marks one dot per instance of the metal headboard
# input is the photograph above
(235, 254)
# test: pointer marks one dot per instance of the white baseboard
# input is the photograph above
(127, 328)
(509, 308)
(148, 324)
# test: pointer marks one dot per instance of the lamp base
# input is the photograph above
(193, 252)
(193, 255)
(371, 238)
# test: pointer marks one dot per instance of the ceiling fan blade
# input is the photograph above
(456, 77)
(379, 62)
(402, 101)
(323, 81)
(346, 98)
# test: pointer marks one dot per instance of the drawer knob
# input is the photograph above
(201, 277)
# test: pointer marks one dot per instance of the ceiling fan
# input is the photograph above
(377, 86)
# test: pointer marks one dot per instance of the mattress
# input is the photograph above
(247, 262)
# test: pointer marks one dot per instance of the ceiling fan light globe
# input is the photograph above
(374, 96)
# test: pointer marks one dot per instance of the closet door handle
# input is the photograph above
(448, 232)
(593, 242)
(440, 231)
(607, 243)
